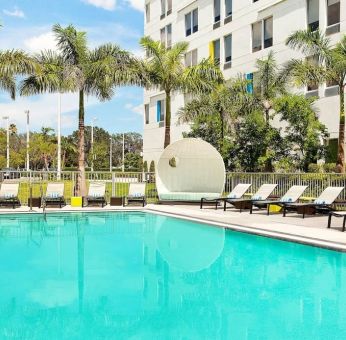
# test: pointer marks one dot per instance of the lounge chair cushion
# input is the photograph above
(286, 199)
(256, 198)
(319, 201)
(96, 195)
(232, 196)
(137, 195)
(188, 196)
(53, 195)
(8, 196)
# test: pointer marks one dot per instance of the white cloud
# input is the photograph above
(44, 41)
(136, 4)
(138, 109)
(108, 5)
(16, 12)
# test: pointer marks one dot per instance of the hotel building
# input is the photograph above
(237, 33)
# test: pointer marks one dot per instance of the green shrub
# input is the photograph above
(152, 166)
(313, 167)
(145, 166)
(330, 167)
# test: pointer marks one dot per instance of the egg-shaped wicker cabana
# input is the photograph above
(189, 170)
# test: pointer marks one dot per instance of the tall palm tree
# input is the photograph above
(330, 68)
(76, 68)
(165, 69)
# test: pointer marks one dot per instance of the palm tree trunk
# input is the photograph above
(340, 164)
(222, 115)
(168, 120)
(81, 185)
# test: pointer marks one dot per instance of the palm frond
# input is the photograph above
(310, 43)
(8, 84)
(71, 43)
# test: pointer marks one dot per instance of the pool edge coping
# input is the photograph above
(310, 241)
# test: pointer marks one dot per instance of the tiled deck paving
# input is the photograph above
(311, 230)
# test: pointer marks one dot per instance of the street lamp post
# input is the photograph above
(110, 154)
(59, 137)
(123, 166)
(7, 141)
(27, 112)
(92, 143)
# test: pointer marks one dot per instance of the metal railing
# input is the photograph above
(117, 183)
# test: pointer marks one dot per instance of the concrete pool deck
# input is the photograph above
(312, 230)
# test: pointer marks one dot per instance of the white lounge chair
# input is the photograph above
(238, 192)
(291, 196)
(136, 194)
(261, 194)
(322, 203)
(9, 194)
(54, 195)
(97, 193)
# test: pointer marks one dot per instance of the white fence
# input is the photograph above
(117, 183)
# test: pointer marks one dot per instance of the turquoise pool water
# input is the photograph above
(143, 276)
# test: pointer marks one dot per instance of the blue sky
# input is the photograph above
(27, 25)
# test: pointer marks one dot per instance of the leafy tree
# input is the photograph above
(330, 68)
(133, 162)
(76, 68)
(69, 152)
(214, 115)
(165, 68)
(42, 150)
(303, 132)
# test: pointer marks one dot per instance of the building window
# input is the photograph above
(217, 10)
(191, 22)
(163, 8)
(216, 51)
(166, 8)
(313, 14)
(228, 8)
(268, 32)
(160, 111)
(146, 110)
(191, 58)
(169, 7)
(333, 12)
(262, 34)
(166, 36)
(228, 48)
(147, 12)
(257, 36)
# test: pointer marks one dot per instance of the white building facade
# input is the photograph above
(237, 33)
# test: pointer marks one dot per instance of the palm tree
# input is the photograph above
(269, 83)
(165, 69)
(330, 68)
(229, 101)
(76, 68)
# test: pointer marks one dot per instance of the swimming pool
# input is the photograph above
(145, 276)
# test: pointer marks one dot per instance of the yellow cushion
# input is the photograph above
(275, 208)
(76, 202)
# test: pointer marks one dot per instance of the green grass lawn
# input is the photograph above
(121, 189)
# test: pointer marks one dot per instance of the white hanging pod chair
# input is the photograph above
(189, 170)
